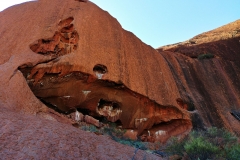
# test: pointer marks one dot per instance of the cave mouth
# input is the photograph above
(55, 108)
(102, 109)
(100, 70)
(108, 108)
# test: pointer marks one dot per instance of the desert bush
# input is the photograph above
(175, 146)
(199, 148)
(213, 143)
(205, 56)
(233, 152)
(136, 144)
(116, 134)
(90, 128)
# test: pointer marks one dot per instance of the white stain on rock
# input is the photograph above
(99, 75)
(160, 133)
(86, 92)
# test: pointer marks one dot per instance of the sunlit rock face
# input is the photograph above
(213, 81)
(66, 91)
(66, 83)
(73, 55)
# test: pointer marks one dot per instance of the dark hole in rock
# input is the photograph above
(197, 122)
(118, 123)
(67, 29)
(55, 107)
(100, 68)
(111, 84)
(83, 111)
(236, 114)
(46, 40)
(108, 108)
(187, 105)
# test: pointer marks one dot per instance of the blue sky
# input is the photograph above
(162, 22)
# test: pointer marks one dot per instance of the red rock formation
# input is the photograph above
(29, 137)
(210, 85)
(182, 104)
(91, 120)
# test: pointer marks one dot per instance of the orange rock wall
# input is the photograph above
(211, 85)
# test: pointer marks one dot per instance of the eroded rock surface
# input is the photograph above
(213, 83)
(29, 137)
(74, 55)
(104, 98)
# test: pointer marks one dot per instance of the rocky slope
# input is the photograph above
(212, 82)
(71, 55)
(29, 137)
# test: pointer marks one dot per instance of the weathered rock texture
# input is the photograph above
(76, 56)
(29, 137)
(68, 45)
(212, 84)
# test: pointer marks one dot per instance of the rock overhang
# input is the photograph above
(69, 41)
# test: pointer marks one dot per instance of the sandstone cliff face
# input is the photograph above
(65, 51)
(73, 55)
(213, 84)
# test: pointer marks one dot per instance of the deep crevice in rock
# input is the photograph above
(235, 114)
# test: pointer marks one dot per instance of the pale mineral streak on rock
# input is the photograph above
(86, 92)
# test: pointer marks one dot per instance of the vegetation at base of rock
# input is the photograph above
(116, 134)
(213, 143)
(205, 56)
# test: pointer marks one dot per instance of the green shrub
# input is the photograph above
(212, 143)
(200, 148)
(205, 56)
(233, 152)
(90, 128)
(220, 137)
(175, 146)
(136, 144)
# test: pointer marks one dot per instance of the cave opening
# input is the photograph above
(108, 108)
(100, 70)
(55, 108)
